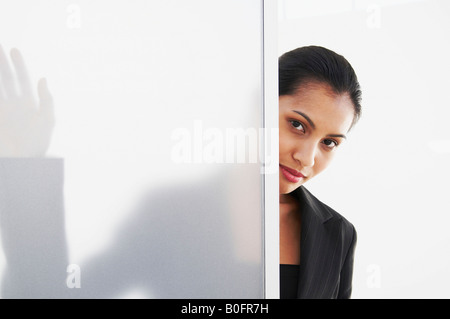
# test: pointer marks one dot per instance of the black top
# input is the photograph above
(289, 281)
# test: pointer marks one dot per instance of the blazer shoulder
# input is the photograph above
(325, 212)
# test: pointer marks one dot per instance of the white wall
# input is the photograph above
(391, 178)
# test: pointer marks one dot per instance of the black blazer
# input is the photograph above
(327, 250)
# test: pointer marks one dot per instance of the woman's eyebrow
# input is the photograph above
(306, 118)
(337, 135)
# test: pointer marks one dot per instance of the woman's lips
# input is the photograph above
(291, 174)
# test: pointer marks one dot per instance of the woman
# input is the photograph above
(319, 102)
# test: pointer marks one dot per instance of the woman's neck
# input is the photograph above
(287, 199)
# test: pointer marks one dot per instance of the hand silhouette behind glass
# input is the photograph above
(26, 125)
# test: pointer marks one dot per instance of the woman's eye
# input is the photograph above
(330, 143)
(297, 125)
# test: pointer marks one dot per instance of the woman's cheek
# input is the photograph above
(283, 145)
(322, 162)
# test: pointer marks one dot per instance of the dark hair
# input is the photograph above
(315, 63)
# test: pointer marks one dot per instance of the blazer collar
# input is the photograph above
(311, 205)
(312, 273)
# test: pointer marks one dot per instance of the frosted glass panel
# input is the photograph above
(151, 184)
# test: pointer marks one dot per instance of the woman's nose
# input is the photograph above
(305, 154)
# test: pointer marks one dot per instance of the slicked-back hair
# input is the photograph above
(318, 64)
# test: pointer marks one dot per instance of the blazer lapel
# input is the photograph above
(314, 247)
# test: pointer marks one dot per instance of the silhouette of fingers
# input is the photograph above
(24, 83)
(6, 76)
(45, 99)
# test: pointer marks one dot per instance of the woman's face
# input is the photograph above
(313, 123)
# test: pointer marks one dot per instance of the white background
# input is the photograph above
(391, 178)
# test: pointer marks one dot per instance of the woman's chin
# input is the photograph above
(286, 189)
